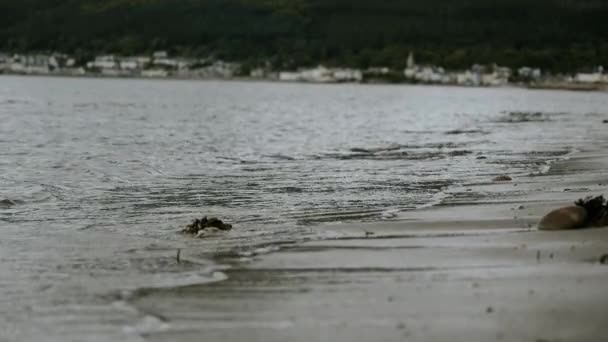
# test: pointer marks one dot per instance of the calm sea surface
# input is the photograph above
(102, 173)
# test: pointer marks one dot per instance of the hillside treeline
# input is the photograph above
(557, 35)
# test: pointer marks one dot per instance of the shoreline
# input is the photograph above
(577, 87)
(458, 272)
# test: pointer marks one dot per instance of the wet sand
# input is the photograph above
(464, 271)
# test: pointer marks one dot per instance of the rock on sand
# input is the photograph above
(572, 217)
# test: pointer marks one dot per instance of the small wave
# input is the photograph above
(391, 147)
(398, 155)
(85, 105)
(459, 153)
(519, 117)
(418, 132)
(465, 131)
(543, 170)
(186, 279)
(318, 215)
(550, 153)
(440, 145)
(120, 104)
(226, 159)
(287, 189)
(13, 102)
(391, 151)
(281, 157)
(9, 203)
(389, 214)
(555, 156)
(436, 200)
(145, 273)
(400, 152)
(146, 325)
(260, 250)
(257, 169)
(384, 155)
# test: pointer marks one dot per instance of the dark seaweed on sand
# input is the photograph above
(200, 224)
(596, 207)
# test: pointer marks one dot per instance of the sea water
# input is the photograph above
(98, 176)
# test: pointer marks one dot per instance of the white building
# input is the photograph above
(498, 77)
(319, 74)
(491, 80)
(595, 77)
(347, 75)
(29, 64)
(289, 76)
(134, 63)
(166, 62)
(529, 73)
(322, 74)
(104, 62)
(427, 74)
(129, 64)
(258, 73)
(468, 78)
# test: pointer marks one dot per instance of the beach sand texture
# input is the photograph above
(457, 272)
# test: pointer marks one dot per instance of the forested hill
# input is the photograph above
(560, 35)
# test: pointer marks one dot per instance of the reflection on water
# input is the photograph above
(95, 169)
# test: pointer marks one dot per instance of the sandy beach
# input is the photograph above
(457, 272)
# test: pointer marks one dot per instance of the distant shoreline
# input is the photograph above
(542, 86)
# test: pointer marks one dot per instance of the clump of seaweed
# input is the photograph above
(199, 225)
(597, 210)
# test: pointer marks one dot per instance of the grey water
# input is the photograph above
(98, 176)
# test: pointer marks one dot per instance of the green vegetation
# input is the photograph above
(556, 35)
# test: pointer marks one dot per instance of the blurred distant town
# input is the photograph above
(161, 65)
